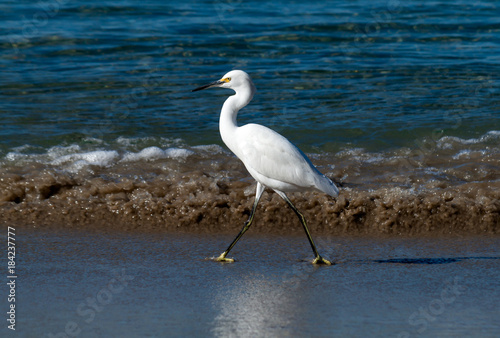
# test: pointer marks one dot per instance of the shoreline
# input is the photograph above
(372, 213)
(295, 232)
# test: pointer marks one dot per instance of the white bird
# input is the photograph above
(272, 160)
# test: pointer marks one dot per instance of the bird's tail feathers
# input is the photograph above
(328, 187)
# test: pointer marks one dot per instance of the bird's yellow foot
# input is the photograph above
(321, 260)
(222, 258)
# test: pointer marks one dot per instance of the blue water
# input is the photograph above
(375, 75)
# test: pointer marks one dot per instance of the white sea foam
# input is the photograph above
(101, 158)
(94, 152)
(57, 152)
(70, 157)
(467, 154)
(74, 158)
(447, 142)
(178, 153)
(155, 153)
(151, 153)
(16, 157)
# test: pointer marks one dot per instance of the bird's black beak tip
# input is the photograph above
(215, 83)
(200, 88)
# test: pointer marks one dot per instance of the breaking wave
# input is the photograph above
(451, 186)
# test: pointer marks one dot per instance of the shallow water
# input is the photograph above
(129, 284)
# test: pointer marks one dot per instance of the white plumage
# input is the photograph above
(272, 160)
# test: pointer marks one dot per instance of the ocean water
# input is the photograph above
(398, 102)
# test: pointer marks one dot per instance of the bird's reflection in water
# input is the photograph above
(255, 307)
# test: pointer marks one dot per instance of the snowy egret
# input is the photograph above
(272, 160)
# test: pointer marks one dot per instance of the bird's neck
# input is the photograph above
(229, 113)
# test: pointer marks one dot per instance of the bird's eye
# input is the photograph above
(227, 79)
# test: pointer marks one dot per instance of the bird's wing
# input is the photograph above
(273, 156)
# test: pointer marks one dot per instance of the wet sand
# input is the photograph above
(211, 191)
(98, 284)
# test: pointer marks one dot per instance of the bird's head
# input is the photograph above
(235, 80)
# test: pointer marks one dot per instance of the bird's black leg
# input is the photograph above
(222, 257)
(318, 259)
